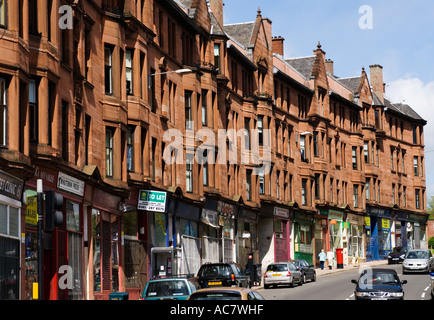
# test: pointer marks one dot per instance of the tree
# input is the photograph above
(431, 208)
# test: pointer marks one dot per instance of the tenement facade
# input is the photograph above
(176, 140)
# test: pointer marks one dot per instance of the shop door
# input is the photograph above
(9, 269)
(136, 271)
(374, 239)
(190, 255)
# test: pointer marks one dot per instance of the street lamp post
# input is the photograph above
(167, 72)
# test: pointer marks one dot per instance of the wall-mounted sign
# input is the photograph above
(152, 200)
(70, 184)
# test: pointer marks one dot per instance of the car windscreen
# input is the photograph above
(417, 255)
(370, 279)
(277, 267)
(215, 271)
(216, 296)
(170, 288)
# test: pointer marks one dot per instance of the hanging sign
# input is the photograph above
(333, 222)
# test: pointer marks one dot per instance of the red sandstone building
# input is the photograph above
(88, 110)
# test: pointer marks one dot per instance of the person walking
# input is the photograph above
(330, 256)
(322, 258)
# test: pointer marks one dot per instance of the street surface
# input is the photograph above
(338, 286)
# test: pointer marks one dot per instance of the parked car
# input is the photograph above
(418, 260)
(222, 274)
(379, 284)
(307, 270)
(397, 255)
(170, 288)
(282, 273)
(226, 293)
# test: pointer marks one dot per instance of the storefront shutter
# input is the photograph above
(106, 241)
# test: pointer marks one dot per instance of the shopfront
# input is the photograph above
(416, 231)
(211, 232)
(228, 214)
(303, 240)
(379, 233)
(399, 229)
(11, 190)
(355, 234)
(320, 234)
(335, 226)
(63, 246)
(247, 236)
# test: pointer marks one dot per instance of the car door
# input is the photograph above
(296, 274)
(307, 269)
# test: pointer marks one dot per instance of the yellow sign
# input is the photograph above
(385, 223)
(35, 291)
(32, 211)
(368, 221)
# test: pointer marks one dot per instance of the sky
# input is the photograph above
(397, 34)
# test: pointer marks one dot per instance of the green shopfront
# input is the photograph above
(303, 240)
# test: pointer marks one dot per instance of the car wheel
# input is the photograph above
(291, 284)
(314, 277)
(303, 278)
(266, 286)
(301, 281)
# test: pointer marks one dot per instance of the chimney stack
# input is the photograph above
(329, 66)
(278, 45)
(216, 7)
(376, 78)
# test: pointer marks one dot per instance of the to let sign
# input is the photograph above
(152, 200)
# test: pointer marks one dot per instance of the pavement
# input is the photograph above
(327, 271)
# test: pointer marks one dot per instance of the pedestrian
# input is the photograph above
(330, 257)
(322, 258)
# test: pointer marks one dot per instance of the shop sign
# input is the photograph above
(368, 221)
(346, 225)
(281, 212)
(333, 222)
(70, 184)
(152, 200)
(31, 210)
(226, 208)
(10, 186)
(385, 223)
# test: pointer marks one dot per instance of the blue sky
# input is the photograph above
(401, 40)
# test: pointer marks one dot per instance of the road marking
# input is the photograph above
(426, 289)
(423, 296)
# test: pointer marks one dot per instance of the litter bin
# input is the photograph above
(339, 258)
(118, 296)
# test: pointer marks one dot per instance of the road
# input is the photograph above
(338, 286)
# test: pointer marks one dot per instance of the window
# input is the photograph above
(33, 110)
(303, 148)
(404, 194)
(3, 13)
(130, 148)
(65, 130)
(354, 157)
(109, 133)
(3, 113)
(249, 184)
(317, 181)
(9, 221)
(392, 160)
(356, 196)
(33, 16)
(416, 165)
(204, 108)
(108, 74)
(188, 111)
(129, 70)
(366, 151)
(261, 129)
(189, 173)
(414, 135)
(315, 144)
(393, 193)
(154, 158)
(261, 182)
(217, 56)
(417, 198)
(247, 133)
(368, 188)
(303, 192)
(278, 184)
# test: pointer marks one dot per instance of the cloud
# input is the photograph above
(420, 97)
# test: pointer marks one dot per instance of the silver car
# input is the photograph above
(282, 273)
(432, 284)
(418, 260)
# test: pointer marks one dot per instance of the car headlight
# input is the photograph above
(397, 294)
(362, 294)
(389, 257)
(402, 257)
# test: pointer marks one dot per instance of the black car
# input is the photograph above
(307, 270)
(379, 284)
(397, 255)
(222, 274)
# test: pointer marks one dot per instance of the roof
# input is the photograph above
(240, 32)
(303, 65)
(352, 83)
(404, 110)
